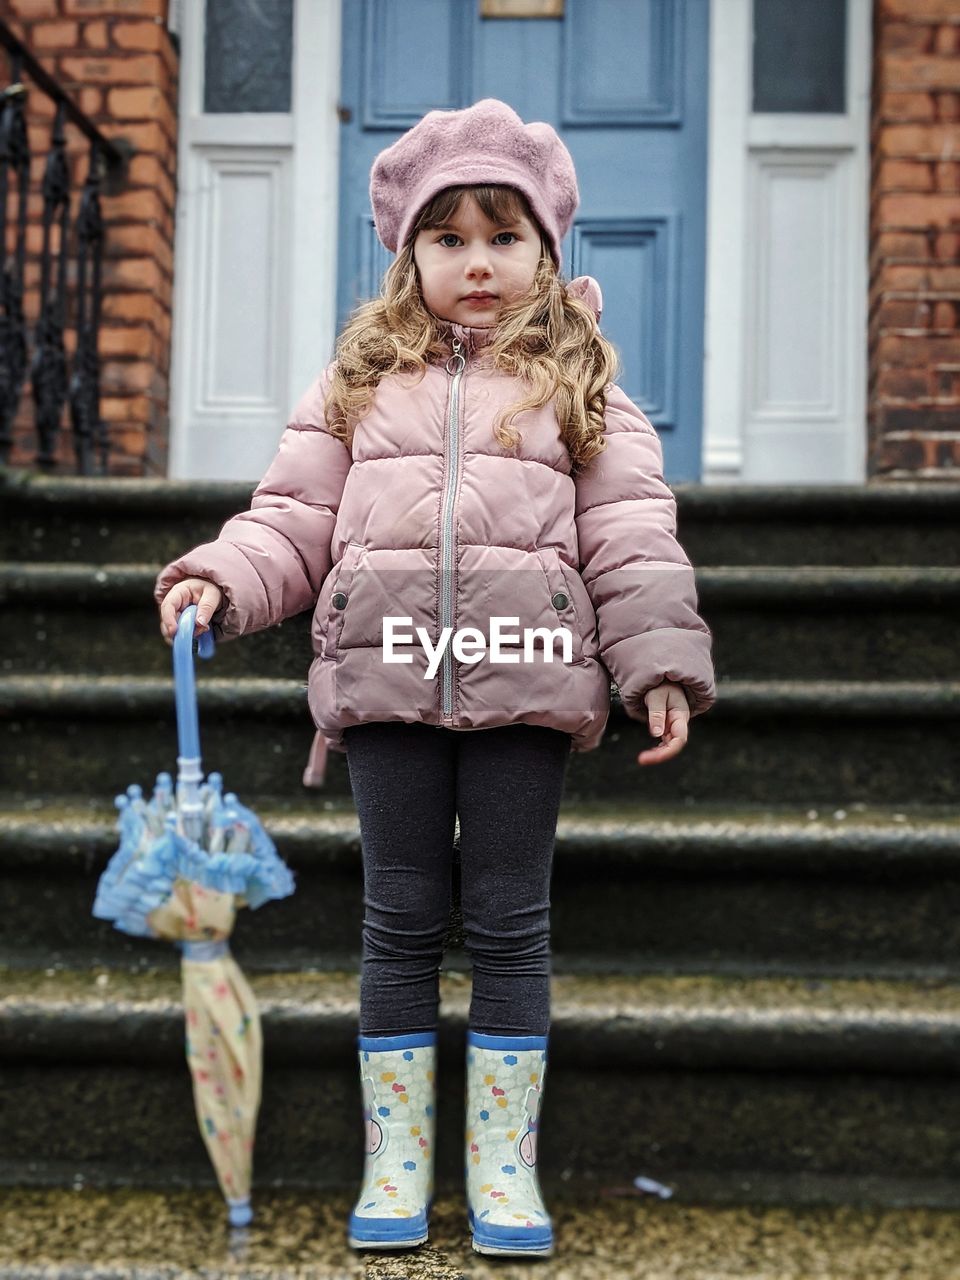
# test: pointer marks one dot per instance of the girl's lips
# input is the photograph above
(487, 298)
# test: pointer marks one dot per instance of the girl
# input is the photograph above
(465, 463)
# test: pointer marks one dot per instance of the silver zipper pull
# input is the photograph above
(457, 356)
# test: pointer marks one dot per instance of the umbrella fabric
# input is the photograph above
(235, 855)
(187, 860)
(224, 1040)
(162, 884)
(192, 913)
(224, 1046)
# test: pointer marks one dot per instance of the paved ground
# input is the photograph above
(146, 1235)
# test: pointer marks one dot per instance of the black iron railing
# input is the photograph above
(48, 364)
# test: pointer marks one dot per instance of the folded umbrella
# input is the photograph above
(184, 866)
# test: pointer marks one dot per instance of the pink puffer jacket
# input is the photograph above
(430, 520)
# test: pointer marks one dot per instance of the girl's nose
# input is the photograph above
(478, 262)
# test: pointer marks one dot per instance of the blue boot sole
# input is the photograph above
(518, 1242)
(388, 1233)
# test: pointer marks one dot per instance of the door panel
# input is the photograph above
(624, 84)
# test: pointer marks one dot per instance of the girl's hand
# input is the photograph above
(205, 595)
(668, 713)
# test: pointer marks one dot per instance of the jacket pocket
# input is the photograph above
(339, 599)
(563, 599)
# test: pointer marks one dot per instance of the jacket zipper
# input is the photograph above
(458, 362)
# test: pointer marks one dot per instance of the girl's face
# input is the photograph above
(469, 255)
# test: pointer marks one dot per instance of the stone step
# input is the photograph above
(704, 1075)
(117, 519)
(175, 1234)
(858, 892)
(764, 742)
(128, 519)
(798, 623)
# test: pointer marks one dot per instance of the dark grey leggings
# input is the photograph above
(409, 783)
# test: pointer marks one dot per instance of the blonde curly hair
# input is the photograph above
(547, 338)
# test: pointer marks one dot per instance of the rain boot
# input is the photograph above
(398, 1080)
(504, 1087)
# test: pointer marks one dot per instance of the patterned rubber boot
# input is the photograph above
(504, 1087)
(398, 1079)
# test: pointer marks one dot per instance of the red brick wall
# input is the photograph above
(117, 61)
(914, 331)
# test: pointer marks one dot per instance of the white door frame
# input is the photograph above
(292, 159)
(748, 436)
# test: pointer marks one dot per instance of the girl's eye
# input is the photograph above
(450, 235)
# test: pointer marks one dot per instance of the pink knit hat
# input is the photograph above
(487, 142)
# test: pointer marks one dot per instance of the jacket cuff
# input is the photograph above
(700, 697)
(228, 621)
(681, 657)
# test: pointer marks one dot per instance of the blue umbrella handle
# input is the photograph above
(189, 772)
(188, 731)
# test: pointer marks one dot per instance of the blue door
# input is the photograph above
(624, 82)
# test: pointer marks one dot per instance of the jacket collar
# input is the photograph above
(474, 338)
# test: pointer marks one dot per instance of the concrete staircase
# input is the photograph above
(757, 984)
